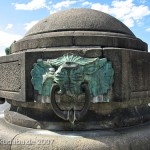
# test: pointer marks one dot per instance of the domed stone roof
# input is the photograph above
(79, 27)
(80, 20)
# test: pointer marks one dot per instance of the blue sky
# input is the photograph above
(18, 16)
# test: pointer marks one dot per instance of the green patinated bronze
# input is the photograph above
(70, 72)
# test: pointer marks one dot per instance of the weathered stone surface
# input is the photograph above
(80, 19)
(6, 132)
(46, 40)
(86, 33)
(79, 27)
(10, 76)
(16, 138)
(132, 71)
(139, 75)
(117, 57)
(16, 84)
(99, 116)
(131, 68)
(125, 92)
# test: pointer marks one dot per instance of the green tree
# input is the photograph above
(8, 49)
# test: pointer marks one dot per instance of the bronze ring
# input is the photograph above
(70, 115)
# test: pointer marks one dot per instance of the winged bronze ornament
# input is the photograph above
(72, 75)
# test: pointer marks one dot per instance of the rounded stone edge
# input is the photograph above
(45, 41)
(78, 19)
(119, 118)
(135, 138)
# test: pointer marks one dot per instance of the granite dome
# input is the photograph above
(80, 20)
(79, 28)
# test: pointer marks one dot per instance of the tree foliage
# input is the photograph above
(8, 49)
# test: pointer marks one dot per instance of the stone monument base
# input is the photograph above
(40, 115)
(15, 138)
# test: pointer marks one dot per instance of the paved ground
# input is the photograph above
(13, 137)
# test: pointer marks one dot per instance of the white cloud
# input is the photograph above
(6, 40)
(127, 11)
(121, 8)
(37, 4)
(30, 25)
(65, 4)
(33, 5)
(138, 12)
(129, 22)
(59, 6)
(86, 3)
(148, 29)
(50, 2)
(98, 6)
(9, 26)
(2, 51)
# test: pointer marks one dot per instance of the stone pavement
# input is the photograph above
(20, 138)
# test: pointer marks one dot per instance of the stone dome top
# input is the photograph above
(80, 19)
(79, 28)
